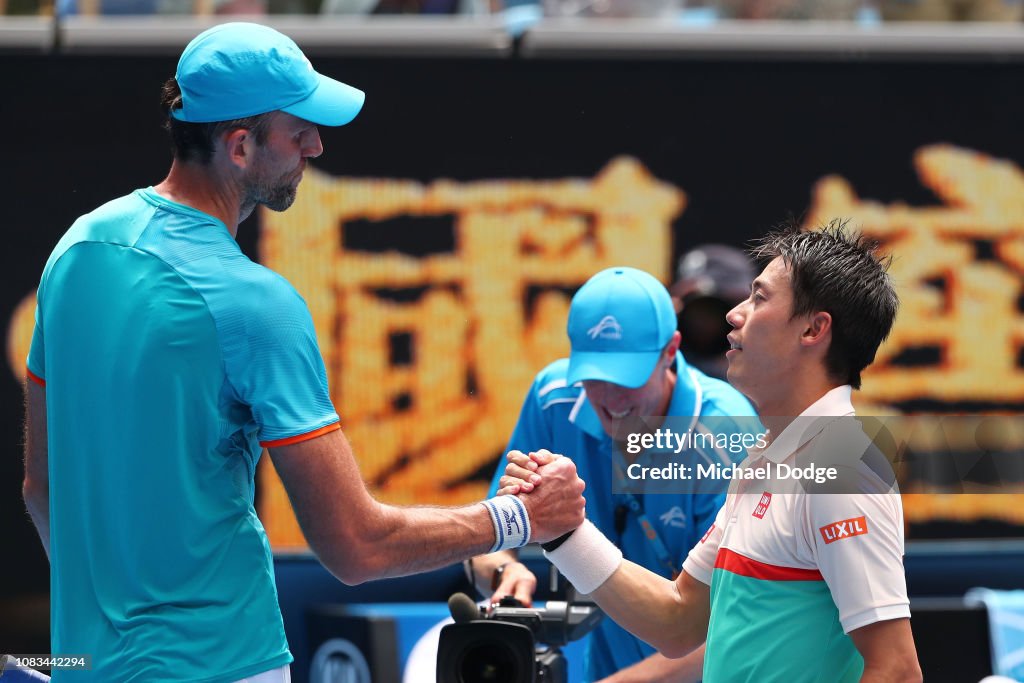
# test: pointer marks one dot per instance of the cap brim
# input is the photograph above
(630, 370)
(333, 103)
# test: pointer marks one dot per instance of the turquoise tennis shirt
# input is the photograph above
(169, 360)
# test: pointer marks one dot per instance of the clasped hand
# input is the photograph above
(555, 508)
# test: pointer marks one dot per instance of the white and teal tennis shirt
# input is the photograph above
(791, 574)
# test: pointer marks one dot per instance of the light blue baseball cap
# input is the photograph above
(619, 322)
(238, 69)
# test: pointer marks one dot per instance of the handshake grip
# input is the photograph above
(556, 504)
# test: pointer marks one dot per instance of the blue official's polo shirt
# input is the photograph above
(558, 417)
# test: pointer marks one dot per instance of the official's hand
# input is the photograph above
(517, 581)
(558, 506)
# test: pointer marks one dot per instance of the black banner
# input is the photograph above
(926, 156)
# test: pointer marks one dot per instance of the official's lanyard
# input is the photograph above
(651, 534)
(649, 530)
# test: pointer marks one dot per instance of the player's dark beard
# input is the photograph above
(277, 193)
(276, 196)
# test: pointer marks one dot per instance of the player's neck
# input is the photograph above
(203, 189)
(779, 408)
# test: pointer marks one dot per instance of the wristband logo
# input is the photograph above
(847, 528)
(510, 520)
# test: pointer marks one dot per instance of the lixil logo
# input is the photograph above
(848, 528)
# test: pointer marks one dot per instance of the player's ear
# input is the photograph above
(669, 353)
(239, 146)
(818, 329)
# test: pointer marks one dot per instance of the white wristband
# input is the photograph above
(511, 522)
(587, 559)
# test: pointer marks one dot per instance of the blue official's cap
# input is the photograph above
(619, 322)
(238, 69)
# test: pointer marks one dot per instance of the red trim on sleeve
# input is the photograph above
(301, 437)
(744, 566)
(34, 377)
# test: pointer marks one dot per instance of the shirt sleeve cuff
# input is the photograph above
(875, 614)
(697, 570)
(34, 377)
(301, 437)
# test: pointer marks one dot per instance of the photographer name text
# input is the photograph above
(719, 472)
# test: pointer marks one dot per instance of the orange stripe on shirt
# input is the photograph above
(744, 566)
(301, 437)
(35, 378)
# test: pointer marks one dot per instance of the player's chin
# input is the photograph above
(735, 375)
(281, 201)
(732, 359)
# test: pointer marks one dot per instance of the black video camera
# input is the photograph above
(510, 643)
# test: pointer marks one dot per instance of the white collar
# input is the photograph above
(835, 403)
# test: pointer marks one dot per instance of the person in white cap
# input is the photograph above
(795, 581)
(163, 361)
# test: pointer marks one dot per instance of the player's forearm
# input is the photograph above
(897, 667)
(670, 615)
(908, 675)
(652, 608)
(660, 669)
(359, 539)
(393, 541)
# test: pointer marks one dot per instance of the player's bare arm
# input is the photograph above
(671, 616)
(359, 539)
(36, 486)
(888, 651)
